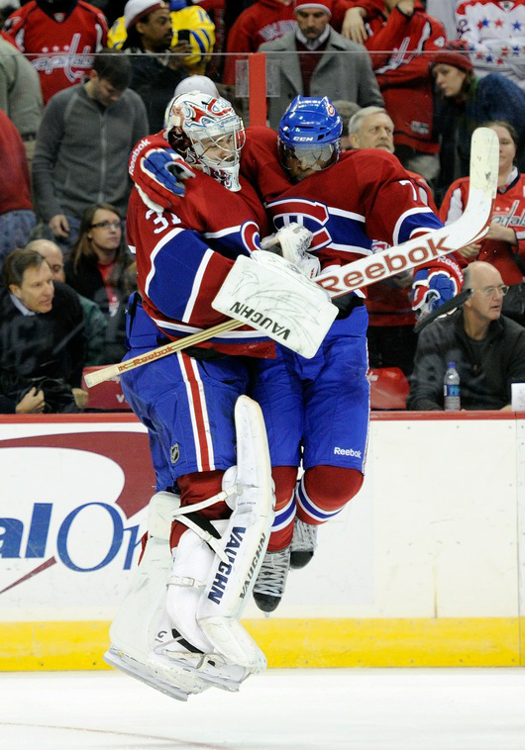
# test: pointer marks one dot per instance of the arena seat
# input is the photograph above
(106, 396)
(389, 388)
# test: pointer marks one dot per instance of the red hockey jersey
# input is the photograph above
(366, 196)
(59, 45)
(388, 304)
(184, 255)
(509, 210)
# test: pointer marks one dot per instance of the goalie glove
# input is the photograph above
(291, 243)
(434, 285)
(159, 173)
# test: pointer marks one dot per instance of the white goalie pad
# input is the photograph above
(134, 630)
(270, 294)
(244, 542)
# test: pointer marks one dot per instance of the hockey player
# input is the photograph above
(192, 638)
(321, 405)
(345, 201)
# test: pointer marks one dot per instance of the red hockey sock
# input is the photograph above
(194, 488)
(285, 478)
(325, 490)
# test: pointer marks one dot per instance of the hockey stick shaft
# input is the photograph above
(470, 227)
(106, 373)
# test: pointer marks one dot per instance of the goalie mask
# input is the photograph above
(206, 131)
(309, 136)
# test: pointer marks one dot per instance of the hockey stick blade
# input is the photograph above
(445, 308)
(471, 226)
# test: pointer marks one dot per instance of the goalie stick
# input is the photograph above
(470, 227)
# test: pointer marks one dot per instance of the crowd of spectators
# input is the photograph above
(82, 82)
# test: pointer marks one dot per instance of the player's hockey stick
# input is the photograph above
(469, 228)
(444, 309)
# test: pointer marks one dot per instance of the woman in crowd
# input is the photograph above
(504, 244)
(98, 269)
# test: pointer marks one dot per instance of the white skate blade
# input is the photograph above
(141, 672)
(214, 674)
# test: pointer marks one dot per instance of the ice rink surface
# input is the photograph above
(303, 709)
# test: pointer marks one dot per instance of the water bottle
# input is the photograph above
(451, 388)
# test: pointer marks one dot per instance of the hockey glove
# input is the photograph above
(161, 175)
(148, 166)
(291, 242)
(435, 285)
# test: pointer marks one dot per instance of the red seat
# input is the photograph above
(389, 388)
(106, 396)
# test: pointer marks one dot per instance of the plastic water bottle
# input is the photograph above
(451, 388)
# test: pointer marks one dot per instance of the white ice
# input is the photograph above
(303, 709)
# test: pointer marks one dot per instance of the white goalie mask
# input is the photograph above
(206, 131)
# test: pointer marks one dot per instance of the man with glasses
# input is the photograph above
(487, 347)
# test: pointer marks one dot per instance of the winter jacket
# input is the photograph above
(343, 72)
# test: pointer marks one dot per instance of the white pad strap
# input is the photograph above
(272, 296)
(211, 540)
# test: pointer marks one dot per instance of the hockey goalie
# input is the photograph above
(178, 628)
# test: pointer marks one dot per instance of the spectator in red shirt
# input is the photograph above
(16, 210)
(60, 38)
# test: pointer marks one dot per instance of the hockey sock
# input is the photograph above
(324, 491)
(285, 478)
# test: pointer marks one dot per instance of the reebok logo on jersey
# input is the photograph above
(347, 452)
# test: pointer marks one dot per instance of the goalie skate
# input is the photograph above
(143, 673)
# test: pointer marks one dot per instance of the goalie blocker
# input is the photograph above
(178, 627)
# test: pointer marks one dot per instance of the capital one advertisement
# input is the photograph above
(72, 514)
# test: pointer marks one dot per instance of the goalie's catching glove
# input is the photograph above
(158, 172)
(291, 243)
(434, 285)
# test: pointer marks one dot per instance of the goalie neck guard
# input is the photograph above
(309, 136)
(207, 132)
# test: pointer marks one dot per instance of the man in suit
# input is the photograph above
(325, 64)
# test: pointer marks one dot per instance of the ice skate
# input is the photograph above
(142, 672)
(304, 544)
(269, 586)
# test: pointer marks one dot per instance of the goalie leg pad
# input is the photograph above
(244, 543)
(185, 646)
(146, 595)
(135, 628)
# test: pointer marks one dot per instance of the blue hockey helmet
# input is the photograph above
(309, 136)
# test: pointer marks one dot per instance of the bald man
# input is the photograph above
(487, 347)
